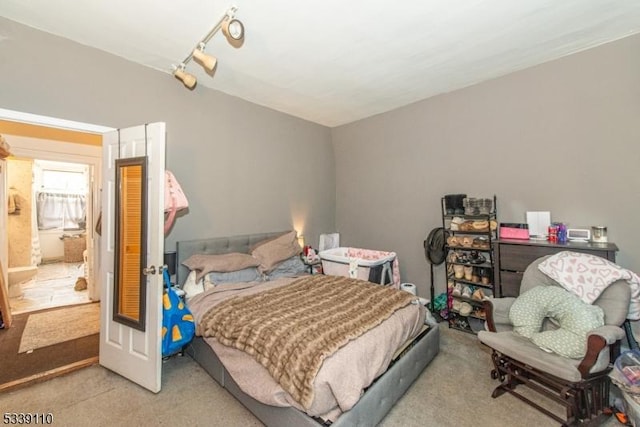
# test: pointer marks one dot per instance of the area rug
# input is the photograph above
(56, 326)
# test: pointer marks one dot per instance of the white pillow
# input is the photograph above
(191, 287)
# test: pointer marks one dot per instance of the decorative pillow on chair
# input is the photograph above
(586, 275)
(274, 251)
(574, 317)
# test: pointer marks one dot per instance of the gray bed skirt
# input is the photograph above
(374, 404)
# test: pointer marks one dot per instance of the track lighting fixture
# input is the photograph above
(208, 62)
(189, 80)
(232, 29)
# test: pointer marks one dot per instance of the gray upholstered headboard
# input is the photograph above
(216, 245)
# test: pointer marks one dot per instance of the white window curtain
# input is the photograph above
(61, 210)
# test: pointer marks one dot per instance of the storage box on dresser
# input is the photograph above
(459, 319)
(513, 257)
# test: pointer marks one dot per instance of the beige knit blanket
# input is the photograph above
(290, 330)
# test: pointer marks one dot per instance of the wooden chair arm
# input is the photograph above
(488, 311)
(595, 344)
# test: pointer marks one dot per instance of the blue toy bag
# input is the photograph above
(178, 327)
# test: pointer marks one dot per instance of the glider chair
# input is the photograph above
(580, 385)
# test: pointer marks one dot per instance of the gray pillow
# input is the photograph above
(290, 267)
(222, 263)
(250, 274)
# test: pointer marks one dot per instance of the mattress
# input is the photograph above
(342, 377)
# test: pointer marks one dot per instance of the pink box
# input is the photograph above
(514, 233)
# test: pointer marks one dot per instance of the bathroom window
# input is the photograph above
(60, 195)
(67, 181)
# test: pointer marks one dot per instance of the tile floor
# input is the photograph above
(51, 287)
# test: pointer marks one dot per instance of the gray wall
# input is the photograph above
(562, 136)
(244, 168)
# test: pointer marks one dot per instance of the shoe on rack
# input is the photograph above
(468, 272)
(465, 309)
(458, 271)
(466, 292)
(478, 294)
(479, 312)
(456, 305)
(457, 290)
(455, 223)
(476, 258)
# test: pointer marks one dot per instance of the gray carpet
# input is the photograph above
(454, 390)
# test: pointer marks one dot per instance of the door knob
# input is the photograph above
(149, 270)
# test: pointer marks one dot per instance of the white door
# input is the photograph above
(132, 353)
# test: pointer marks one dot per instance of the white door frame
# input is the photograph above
(53, 122)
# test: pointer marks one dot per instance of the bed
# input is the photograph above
(407, 362)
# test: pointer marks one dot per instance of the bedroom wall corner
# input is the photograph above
(561, 136)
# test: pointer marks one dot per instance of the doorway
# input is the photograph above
(49, 138)
(70, 147)
(47, 264)
(77, 158)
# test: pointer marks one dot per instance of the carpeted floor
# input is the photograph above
(454, 390)
(15, 366)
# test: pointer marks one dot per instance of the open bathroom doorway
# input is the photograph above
(61, 177)
(67, 346)
(47, 220)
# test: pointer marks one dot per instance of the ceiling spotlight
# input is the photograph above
(189, 80)
(208, 62)
(233, 30)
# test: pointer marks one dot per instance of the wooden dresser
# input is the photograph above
(513, 257)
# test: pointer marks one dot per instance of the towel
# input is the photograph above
(14, 201)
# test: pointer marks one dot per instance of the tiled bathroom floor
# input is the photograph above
(51, 287)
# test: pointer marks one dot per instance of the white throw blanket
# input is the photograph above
(588, 276)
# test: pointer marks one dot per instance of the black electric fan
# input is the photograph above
(434, 251)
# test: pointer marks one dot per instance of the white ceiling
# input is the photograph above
(337, 61)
